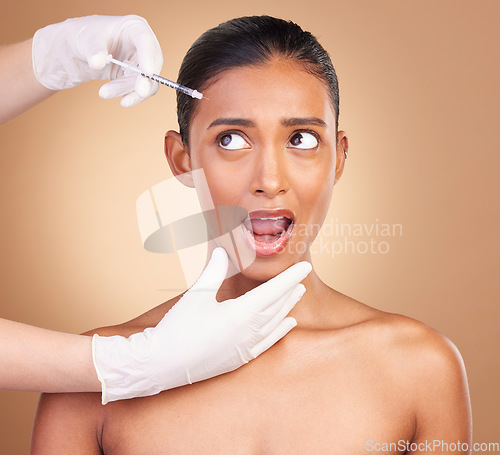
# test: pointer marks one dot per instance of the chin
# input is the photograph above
(263, 268)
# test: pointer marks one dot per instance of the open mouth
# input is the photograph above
(268, 231)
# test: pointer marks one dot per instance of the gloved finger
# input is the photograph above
(118, 87)
(149, 55)
(265, 316)
(267, 293)
(131, 100)
(283, 328)
(287, 303)
(215, 272)
(145, 87)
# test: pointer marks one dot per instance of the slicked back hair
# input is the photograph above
(250, 41)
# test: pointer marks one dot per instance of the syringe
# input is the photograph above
(155, 77)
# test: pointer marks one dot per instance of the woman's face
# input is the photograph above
(265, 139)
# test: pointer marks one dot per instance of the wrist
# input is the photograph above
(131, 367)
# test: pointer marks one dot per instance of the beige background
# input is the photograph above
(419, 99)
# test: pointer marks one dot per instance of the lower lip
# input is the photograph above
(264, 248)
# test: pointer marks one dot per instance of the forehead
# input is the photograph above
(265, 93)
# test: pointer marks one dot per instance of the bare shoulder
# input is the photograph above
(418, 347)
(409, 340)
(418, 363)
(431, 366)
(403, 349)
(411, 345)
(67, 423)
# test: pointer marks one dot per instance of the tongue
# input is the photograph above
(269, 227)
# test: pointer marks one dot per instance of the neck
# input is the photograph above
(308, 311)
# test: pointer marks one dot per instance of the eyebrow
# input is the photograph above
(232, 122)
(293, 121)
(296, 121)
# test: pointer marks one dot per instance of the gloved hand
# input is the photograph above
(199, 337)
(74, 51)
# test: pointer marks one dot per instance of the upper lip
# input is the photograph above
(272, 213)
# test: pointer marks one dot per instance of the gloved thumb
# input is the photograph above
(214, 273)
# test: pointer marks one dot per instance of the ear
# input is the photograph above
(342, 150)
(178, 158)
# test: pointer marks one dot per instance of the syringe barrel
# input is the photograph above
(159, 79)
(181, 88)
(164, 81)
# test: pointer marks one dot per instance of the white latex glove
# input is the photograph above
(199, 337)
(74, 51)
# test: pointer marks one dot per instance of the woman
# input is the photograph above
(349, 378)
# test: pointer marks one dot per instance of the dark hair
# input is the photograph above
(252, 40)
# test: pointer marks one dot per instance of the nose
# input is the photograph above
(270, 176)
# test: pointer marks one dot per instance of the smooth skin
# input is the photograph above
(33, 359)
(347, 374)
(19, 88)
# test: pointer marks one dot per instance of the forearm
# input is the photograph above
(40, 360)
(19, 88)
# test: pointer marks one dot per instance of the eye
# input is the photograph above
(232, 141)
(304, 140)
